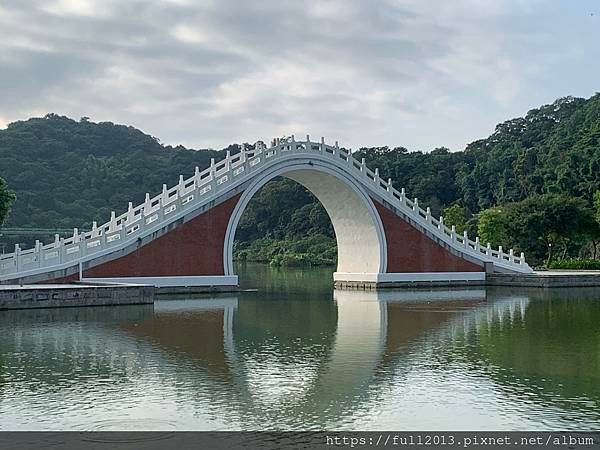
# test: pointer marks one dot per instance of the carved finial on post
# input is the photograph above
(389, 184)
(428, 214)
(488, 249)
(56, 240)
(75, 235)
(441, 225)
(466, 238)
(196, 171)
(522, 258)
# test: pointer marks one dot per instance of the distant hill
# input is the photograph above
(67, 173)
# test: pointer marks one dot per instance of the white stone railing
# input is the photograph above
(206, 185)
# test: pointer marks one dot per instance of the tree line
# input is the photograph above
(532, 185)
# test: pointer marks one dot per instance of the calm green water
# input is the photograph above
(296, 355)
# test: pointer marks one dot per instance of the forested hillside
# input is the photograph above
(67, 173)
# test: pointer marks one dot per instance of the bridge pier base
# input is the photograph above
(397, 280)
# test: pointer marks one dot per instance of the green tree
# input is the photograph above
(492, 226)
(456, 215)
(543, 226)
(7, 197)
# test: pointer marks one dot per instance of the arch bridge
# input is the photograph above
(184, 236)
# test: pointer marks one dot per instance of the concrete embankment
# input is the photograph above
(547, 279)
(72, 295)
(540, 279)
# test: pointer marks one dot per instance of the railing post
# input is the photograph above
(403, 196)
(113, 221)
(488, 249)
(350, 157)
(95, 228)
(164, 196)
(227, 160)
(453, 233)
(389, 185)
(415, 206)
(441, 224)
(363, 165)
(500, 252)
(75, 236)
(38, 252)
(180, 186)
(18, 261)
(522, 258)
(308, 139)
(477, 245)
(376, 177)
(511, 256)
(147, 204)
(428, 214)
(130, 212)
(337, 148)
(466, 239)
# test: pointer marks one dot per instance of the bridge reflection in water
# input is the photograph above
(272, 363)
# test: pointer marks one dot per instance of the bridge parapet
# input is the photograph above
(208, 184)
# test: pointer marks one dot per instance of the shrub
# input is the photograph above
(576, 264)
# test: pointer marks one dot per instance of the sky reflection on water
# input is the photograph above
(297, 355)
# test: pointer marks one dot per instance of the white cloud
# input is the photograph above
(413, 73)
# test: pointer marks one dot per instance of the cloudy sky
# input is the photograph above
(376, 72)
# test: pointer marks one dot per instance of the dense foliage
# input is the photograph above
(532, 185)
(7, 197)
(67, 173)
(544, 225)
(575, 264)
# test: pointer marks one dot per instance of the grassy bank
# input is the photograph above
(315, 250)
(576, 264)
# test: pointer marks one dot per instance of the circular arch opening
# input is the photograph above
(358, 229)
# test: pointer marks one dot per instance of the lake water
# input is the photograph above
(295, 354)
